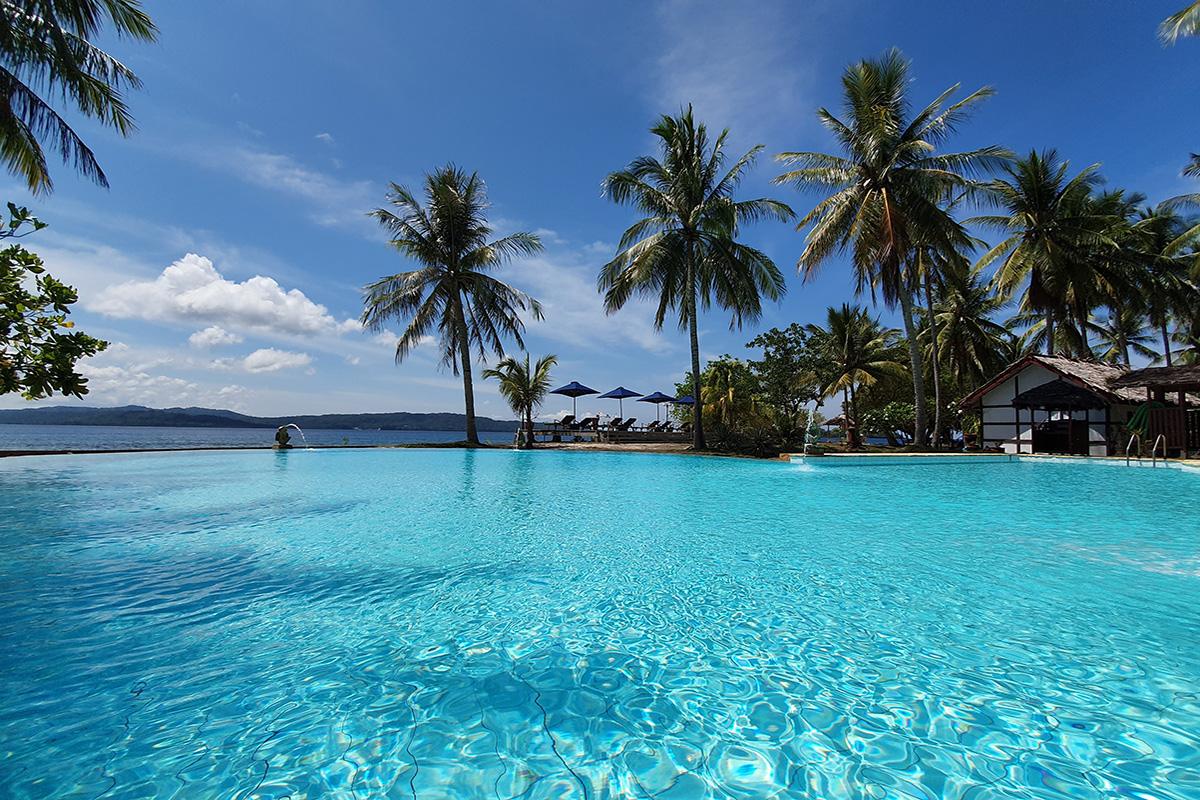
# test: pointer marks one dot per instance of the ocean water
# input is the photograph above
(114, 437)
(502, 624)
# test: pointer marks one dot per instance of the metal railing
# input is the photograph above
(1133, 438)
(1154, 450)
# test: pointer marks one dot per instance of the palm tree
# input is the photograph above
(685, 252)
(1185, 22)
(972, 345)
(1165, 246)
(859, 351)
(1122, 331)
(45, 50)
(728, 397)
(887, 191)
(450, 292)
(523, 388)
(1053, 234)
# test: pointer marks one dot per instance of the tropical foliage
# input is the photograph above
(888, 191)
(38, 347)
(523, 388)
(451, 293)
(1185, 22)
(684, 254)
(46, 49)
(861, 352)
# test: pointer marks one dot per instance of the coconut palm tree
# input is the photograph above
(523, 388)
(886, 192)
(684, 254)
(1165, 246)
(973, 347)
(451, 292)
(1124, 330)
(1052, 234)
(1185, 22)
(859, 351)
(45, 49)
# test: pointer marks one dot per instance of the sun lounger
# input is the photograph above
(566, 422)
(626, 425)
(589, 424)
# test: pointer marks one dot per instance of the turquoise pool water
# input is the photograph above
(451, 624)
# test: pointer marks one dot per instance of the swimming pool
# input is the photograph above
(447, 623)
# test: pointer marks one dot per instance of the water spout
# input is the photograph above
(283, 439)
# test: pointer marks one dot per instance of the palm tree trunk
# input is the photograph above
(914, 354)
(464, 354)
(1085, 348)
(1049, 332)
(694, 335)
(528, 427)
(852, 425)
(1166, 343)
(937, 378)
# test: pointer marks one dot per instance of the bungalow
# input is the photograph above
(1176, 425)
(1050, 404)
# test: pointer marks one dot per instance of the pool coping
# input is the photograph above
(880, 459)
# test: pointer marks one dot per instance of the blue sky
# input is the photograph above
(226, 262)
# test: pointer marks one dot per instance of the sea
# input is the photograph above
(114, 437)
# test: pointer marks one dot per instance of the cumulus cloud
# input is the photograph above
(327, 138)
(213, 336)
(192, 289)
(271, 360)
(267, 359)
(113, 384)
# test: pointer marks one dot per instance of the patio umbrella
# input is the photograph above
(657, 398)
(620, 393)
(573, 390)
(686, 400)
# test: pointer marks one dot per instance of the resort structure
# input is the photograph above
(1051, 404)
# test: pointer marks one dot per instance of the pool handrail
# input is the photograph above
(1133, 437)
(1162, 437)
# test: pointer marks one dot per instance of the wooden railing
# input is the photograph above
(1179, 428)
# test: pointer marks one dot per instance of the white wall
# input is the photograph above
(1009, 428)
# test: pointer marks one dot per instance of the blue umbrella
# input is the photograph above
(656, 398)
(686, 400)
(619, 394)
(573, 390)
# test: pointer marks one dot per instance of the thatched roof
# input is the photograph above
(1090, 375)
(1184, 378)
(1059, 395)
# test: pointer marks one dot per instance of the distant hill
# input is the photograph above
(141, 416)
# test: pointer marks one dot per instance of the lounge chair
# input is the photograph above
(566, 422)
(626, 425)
(615, 424)
(654, 427)
(589, 424)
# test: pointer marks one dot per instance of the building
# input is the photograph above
(1172, 423)
(1050, 404)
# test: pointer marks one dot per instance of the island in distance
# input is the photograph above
(141, 416)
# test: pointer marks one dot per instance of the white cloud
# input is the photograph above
(336, 201)
(327, 138)
(213, 336)
(353, 361)
(192, 289)
(115, 384)
(265, 360)
(272, 360)
(734, 62)
(574, 309)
